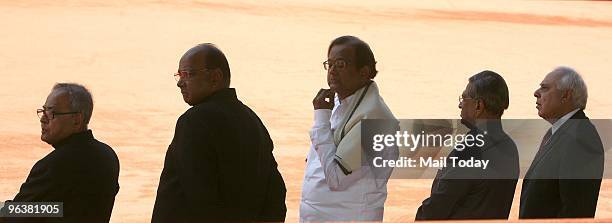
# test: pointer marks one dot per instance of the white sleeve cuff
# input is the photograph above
(321, 117)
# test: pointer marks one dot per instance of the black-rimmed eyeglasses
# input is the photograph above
(41, 112)
(339, 64)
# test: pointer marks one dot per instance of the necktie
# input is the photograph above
(546, 138)
(544, 141)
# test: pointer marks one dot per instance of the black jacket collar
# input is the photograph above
(74, 138)
(579, 115)
(489, 125)
(221, 95)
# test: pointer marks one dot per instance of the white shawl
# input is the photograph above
(368, 105)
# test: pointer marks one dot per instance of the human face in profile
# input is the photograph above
(548, 98)
(57, 120)
(469, 108)
(193, 78)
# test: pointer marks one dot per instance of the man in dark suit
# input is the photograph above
(564, 178)
(219, 166)
(81, 172)
(474, 192)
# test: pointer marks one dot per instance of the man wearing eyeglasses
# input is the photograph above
(81, 171)
(337, 187)
(473, 192)
(219, 166)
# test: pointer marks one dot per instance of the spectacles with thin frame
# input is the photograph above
(41, 112)
(461, 99)
(339, 64)
(186, 74)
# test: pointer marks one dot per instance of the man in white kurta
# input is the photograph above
(333, 191)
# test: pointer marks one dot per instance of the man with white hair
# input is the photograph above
(81, 172)
(564, 178)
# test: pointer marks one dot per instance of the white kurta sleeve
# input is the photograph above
(321, 137)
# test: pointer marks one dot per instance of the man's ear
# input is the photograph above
(78, 119)
(566, 96)
(480, 107)
(216, 76)
(365, 72)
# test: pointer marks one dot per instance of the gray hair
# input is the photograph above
(80, 98)
(569, 79)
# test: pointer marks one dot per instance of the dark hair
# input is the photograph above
(363, 53)
(491, 88)
(216, 59)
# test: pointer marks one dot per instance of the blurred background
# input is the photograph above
(127, 51)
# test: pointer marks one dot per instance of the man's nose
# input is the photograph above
(332, 71)
(536, 93)
(180, 83)
(43, 119)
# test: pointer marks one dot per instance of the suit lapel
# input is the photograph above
(541, 154)
(553, 140)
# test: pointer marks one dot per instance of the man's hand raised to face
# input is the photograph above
(324, 99)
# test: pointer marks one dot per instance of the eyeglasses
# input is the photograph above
(186, 74)
(339, 64)
(41, 112)
(461, 99)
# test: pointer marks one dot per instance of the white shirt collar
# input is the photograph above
(341, 104)
(345, 100)
(562, 120)
(350, 97)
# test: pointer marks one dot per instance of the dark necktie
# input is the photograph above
(544, 141)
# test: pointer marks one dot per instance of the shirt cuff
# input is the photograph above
(321, 117)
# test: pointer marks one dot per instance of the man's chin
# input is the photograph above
(333, 87)
(44, 139)
(541, 114)
(187, 100)
(190, 102)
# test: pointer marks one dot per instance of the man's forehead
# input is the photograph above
(194, 58)
(57, 98)
(550, 79)
(344, 51)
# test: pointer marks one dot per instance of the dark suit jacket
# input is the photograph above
(474, 193)
(82, 172)
(563, 180)
(220, 167)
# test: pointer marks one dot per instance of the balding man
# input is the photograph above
(564, 178)
(81, 172)
(219, 166)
